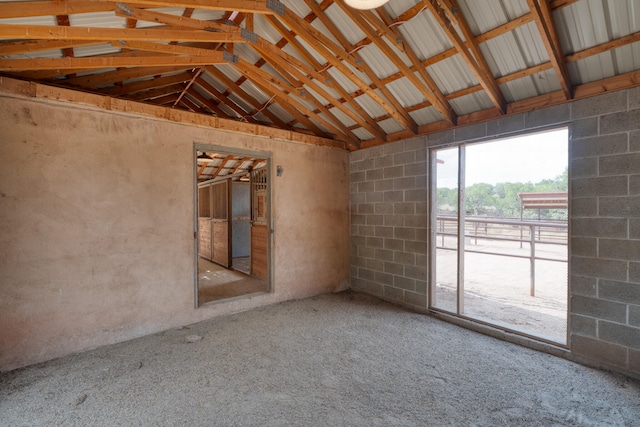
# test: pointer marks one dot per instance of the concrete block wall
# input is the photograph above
(389, 219)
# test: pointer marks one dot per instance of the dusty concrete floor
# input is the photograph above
(333, 360)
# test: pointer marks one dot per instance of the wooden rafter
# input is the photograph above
(470, 51)
(547, 29)
(243, 115)
(209, 104)
(157, 92)
(248, 6)
(431, 92)
(189, 84)
(154, 83)
(104, 79)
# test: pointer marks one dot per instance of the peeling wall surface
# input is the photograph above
(97, 226)
(389, 239)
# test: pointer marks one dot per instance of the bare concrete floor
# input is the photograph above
(333, 360)
(217, 283)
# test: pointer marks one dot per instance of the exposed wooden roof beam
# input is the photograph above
(155, 83)
(17, 9)
(28, 46)
(210, 104)
(261, 108)
(97, 80)
(436, 97)
(189, 84)
(309, 37)
(46, 32)
(470, 52)
(103, 62)
(243, 115)
(156, 92)
(248, 6)
(547, 29)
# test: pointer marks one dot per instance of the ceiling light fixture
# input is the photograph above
(365, 4)
(204, 158)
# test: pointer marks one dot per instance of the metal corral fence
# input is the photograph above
(505, 230)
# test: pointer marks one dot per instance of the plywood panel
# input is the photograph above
(259, 252)
(204, 238)
(221, 242)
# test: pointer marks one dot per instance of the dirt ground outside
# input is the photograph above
(497, 288)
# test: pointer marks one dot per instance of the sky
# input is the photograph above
(529, 158)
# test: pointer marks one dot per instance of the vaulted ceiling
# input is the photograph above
(410, 67)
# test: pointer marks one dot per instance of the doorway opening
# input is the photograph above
(233, 218)
(499, 233)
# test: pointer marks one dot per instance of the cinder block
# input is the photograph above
(634, 315)
(585, 286)
(357, 219)
(547, 116)
(624, 292)
(419, 221)
(415, 169)
(422, 155)
(505, 125)
(366, 186)
(415, 299)
(404, 183)
(384, 185)
(584, 246)
(421, 182)
(600, 309)
(404, 283)
(405, 258)
(375, 242)
(584, 326)
(408, 208)
(634, 98)
(599, 227)
(368, 287)
(584, 207)
(366, 252)
(365, 274)
(393, 294)
(404, 233)
(413, 144)
(366, 164)
(469, 133)
(375, 265)
(604, 186)
(375, 197)
(596, 267)
(394, 147)
(619, 334)
(415, 195)
(384, 278)
(374, 174)
(383, 231)
(421, 287)
(620, 122)
(366, 230)
(619, 206)
(634, 141)
(597, 105)
(394, 220)
(416, 247)
(634, 272)
(421, 208)
(357, 177)
(383, 208)
(421, 235)
(357, 156)
(393, 172)
(366, 208)
(634, 361)
(395, 269)
(584, 167)
(357, 198)
(358, 262)
(384, 255)
(599, 146)
(375, 219)
(593, 349)
(634, 228)
(383, 162)
(440, 138)
(421, 259)
(584, 128)
(393, 196)
(619, 249)
(634, 184)
(620, 164)
(404, 158)
(394, 244)
(415, 272)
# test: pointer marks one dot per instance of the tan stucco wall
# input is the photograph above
(96, 226)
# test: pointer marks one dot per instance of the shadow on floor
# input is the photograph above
(217, 283)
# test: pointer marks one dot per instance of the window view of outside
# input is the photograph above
(510, 267)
